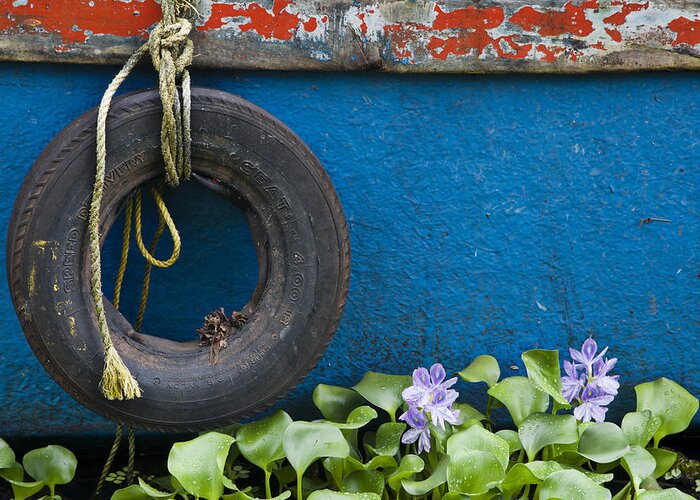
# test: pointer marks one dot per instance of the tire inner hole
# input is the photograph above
(217, 266)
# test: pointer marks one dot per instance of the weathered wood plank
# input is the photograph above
(401, 35)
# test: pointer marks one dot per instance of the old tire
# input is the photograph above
(298, 227)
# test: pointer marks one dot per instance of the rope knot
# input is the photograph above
(173, 40)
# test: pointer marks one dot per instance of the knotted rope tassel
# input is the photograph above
(171, 53)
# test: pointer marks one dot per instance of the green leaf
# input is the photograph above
(540, 430)
(543, 370)
(664, 460)
(597, 477)
(260, 442)
(363, 481)
(520, 397)
(53, 465)
(670, 402)
(335, 495)
(359, 417)
(474, 472)
(388, 439)
(335, 402)
(669, 494)
(512, 438)
(523, 474)
(603, 442)
(478, 439)
(305, 442)
(484, 368)
(468, 412)
(437, 478)
(639, 464)
(7, 456)
(14, 474)
(410, 465)
(198, 465)
(572, 485)
(384, 391)
(133, 492)
(241, 495)
(640, 427)
(141, 491)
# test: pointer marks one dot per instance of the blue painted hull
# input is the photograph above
(487, 215)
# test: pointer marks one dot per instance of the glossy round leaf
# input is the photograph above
(198, 464)
(543, 370)
(484, 368)
(410, 465)
(437, 478)
(478, 439)
(335, 402)
(384, 391)
(572, 485)
(53, 464)
(523, 474)
(603, 442)
(664, 460)
(14, 474)
(511, 437)
(541, 429)
(388, 439)
(668, 494)
(363, 481)
(359, 417)
(336, 495)
(640, 427)
(520, 397)
(670, 402)
(260, 442)
(133, 492)
(305, 442)
(240, 495)
(474, 472)
(639, 464)
(7, 456)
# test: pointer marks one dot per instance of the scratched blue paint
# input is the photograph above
(487, 215)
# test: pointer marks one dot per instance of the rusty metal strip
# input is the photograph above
(401, 36)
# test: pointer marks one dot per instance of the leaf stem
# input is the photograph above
(268, 491)
(300, 495)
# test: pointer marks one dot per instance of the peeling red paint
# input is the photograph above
(275, 23)
(477, 41)
(550, 54)
(688, 31)
(75, 20)
(469, 18)
(619, 18)
(572, 20)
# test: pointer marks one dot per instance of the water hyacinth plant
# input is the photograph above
(410, 438)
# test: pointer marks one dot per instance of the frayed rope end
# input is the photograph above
(117, 381)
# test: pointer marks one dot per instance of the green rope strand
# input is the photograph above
(110, 459)
(171, 53)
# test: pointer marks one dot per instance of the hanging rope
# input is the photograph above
(171, 53)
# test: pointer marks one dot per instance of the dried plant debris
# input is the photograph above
(217, 327)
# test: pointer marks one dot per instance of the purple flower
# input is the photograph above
(440, 408)
(602, 381)
(430, 397)
(418, 429)
(587, 355)
(593, 406)
(573, 382)
(587, 382)
(425, 383)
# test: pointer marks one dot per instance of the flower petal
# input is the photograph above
(437, 373)
(421, 378)
(589, 349)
